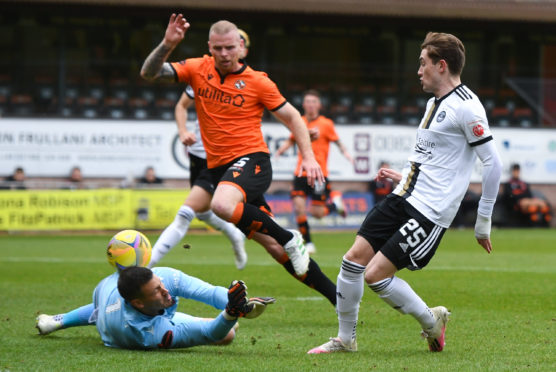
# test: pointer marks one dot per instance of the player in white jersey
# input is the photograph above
(404, 230)
(197, 203)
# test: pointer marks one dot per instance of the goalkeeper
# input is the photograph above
(136, 309)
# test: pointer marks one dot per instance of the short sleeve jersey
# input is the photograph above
(321, 146)
(438, 171)
(229, 107)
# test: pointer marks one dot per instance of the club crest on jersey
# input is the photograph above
(478, 130)
(239, 84)
(441, 116)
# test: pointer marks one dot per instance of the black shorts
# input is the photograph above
(406, 237)
(251, 174)
(199, 174)
(318, 194)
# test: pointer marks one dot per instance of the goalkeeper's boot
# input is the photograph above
(435, 334)
(48, 323)
(334, 345)
(297, 253)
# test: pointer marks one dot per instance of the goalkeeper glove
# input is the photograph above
(259, 306)
(237, 300)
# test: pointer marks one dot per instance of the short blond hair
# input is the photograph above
(223, 27)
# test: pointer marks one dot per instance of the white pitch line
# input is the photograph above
(533, 270)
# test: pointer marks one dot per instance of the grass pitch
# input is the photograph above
(503, 308)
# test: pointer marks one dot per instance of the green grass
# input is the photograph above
(503, 308)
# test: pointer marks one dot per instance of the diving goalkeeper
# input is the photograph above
(136, 309)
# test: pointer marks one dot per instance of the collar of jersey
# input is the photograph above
(438, 100)
(237, 72)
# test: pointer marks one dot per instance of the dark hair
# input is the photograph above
(447, 47)
(515, 166)
(311, 92)
(131, 280)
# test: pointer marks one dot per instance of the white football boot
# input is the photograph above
(334, 345)
(297, 253)
(48, 323)
(435, 334)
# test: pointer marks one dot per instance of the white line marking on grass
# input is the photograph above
(304, 298)
(200, 262)
(546, 270)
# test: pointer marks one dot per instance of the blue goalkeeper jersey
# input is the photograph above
(121, 325)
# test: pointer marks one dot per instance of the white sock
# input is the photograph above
(398, 294)
(229, 229)
(172, 234)
(349, 291)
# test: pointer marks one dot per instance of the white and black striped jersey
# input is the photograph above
(197, 149)
(437, 174)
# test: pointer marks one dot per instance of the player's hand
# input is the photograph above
(384, 173)
(486, 244)
(188, 138)
(482, 232)
(313, 171)
(314, 134)
(259, 306)
(175, 32)
(237, 300)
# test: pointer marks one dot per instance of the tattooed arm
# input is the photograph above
(155, 66)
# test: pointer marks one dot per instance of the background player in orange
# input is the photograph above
(230, 98)
(323, 200)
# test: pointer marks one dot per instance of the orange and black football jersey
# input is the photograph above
(321, 146)
(229, 108)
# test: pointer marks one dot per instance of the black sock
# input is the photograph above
(315, 279)
(254, 220)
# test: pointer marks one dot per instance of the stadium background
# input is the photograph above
(73, 60)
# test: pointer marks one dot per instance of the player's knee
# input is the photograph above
(318, 213)
(221, 208)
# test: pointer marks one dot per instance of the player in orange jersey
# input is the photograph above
(197, 203)
(230, 98)
(323, 200)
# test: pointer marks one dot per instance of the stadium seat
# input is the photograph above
(95, 88)
(523, 117)
(410, 114)
(21, 105)
(114, 108)
(119, 88)
(139, 108)
(45, 94)
(386, 114)
(5, 91)
(164, 108)
(364, 113)
(487, 95)
(340, 113)
(88, 107)
(500, 116)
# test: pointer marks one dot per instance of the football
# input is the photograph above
(129, 248)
